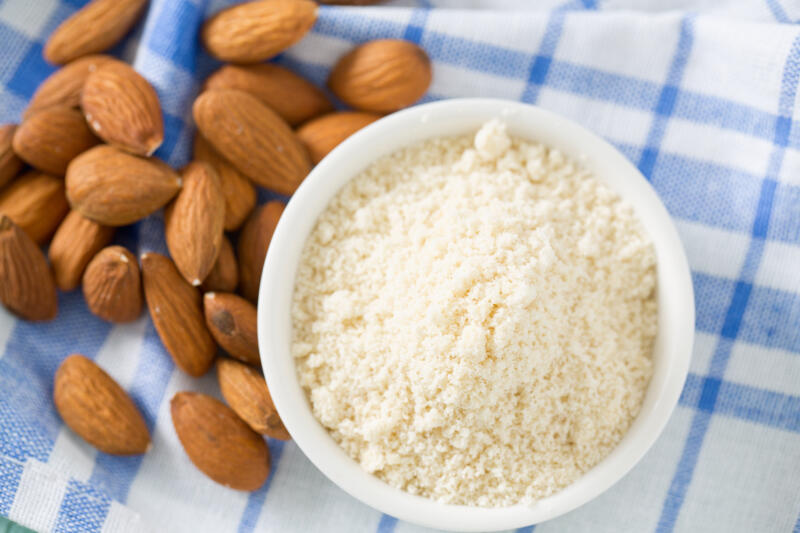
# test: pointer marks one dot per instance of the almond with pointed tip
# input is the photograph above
(94, 28)
(74, 244)
(238, 191)
(245, 390)
(112, 285)
(224, 277)
(254, 31)
(115, 188)
(122, 108)
(27, 288)
(218, 442)
(51, 138)
(292, 97)
(176, 310)
(232, 322)
(193, 222)
(35, 202)
(253, 138)
(381, 76)
(323, 134)
(63, 87)
(252, 246)
(10, 164)
(95, 407)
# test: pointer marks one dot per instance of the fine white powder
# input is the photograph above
(474, 319)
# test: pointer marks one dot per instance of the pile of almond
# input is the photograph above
(80, 164)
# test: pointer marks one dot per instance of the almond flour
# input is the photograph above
(474, 319)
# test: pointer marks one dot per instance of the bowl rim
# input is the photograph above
(672, 352)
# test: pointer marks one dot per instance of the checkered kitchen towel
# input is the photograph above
(705, 102)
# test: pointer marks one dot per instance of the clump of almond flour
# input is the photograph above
(474, 319)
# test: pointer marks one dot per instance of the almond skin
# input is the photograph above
(94, 28)
(177, 314)
(35, 202)
(232, 322)
(218, 442)
(294, 98)
(50, 139)
(253, 138)
(323, 134)
(115, 188)
(10, 164)
(193, 222)
(382, 76)
(253, 244)
(112, 285)
(246, 392)
(63, 87)
(27, 288)
(224, 277)
(95, 407)
(74, 244)
(254, 31)
(239, 193)
(122, 108)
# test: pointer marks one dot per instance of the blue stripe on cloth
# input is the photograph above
(184, 15)
(540, 66)
(115, 474)
(10, 475)
(753, 404)
(777, 11)
(416, 26)
(255, 502)
(526, 529)
(796, 528)
(83, 509)
(666, 99)
(735, 313)
(386, 524)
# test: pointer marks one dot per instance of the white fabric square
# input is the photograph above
(449, 82)
(734, 484)
(726, 148)
(780, 266)
(30, 22)
(765, 368)
(712, 250)
(754, 78)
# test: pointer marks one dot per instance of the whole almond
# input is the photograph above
(253, 138)
(176, 310)
(35, 202)
(112, 285)
(95, 407)
(218, 442)
(51, 138)
(115, 188)
(74, 244)
(94, 28)
(254, 31)
(323, 134)
(382, 76)
(224, 277)
(238, 191)
(122, 108)
(193, 222)
(10, 164)
(246, 392)
(26, 283)
(232, 322)
(252, 246)
(292, 97)
(63, 87)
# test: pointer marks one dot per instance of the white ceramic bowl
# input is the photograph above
(452, 117)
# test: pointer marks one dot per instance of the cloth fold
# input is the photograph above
(702, 98)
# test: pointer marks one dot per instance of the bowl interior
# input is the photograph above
(456, 117)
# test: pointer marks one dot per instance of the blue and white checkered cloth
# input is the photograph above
(705, 102)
